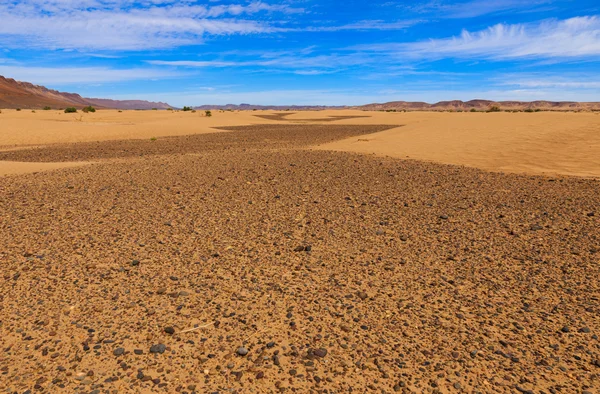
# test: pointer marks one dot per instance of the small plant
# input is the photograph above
(494, 108)
(46, 108)
(185, 109)
(153, 139)
(193, 111)
(537, 110)
(473, 110)
(154, 109)
(208, 113)
(70, 110)
(120, 111)
(18, 109)
(33, 111)
(89, 108)
(528, 110)
(169, 109)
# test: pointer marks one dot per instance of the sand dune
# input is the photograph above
(537, 143)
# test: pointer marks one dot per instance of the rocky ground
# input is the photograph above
(244, 262)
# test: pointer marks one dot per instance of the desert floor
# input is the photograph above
(255, 252)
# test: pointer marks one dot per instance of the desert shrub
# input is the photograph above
(154, 109)
(528, 110)
(537, 110)
(46, 108)
(120, 111)
(187, 109)
(169, 109)
(18, 109)
(208, 113)
(473, 110)
(89, 108)
(33, 111)
(70, 110)
(193, 111)
(494, 108)
(153, 139)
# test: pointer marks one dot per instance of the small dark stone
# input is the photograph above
(170, 330)
(293, 372)
(118, 351)
(270, 345)
(138, 351)
(444, 217)
(584, 330)
(135, 263)
(565, 329)
(242, 351)
(158, 348)
(320, 352)
(362, 295)
(260, 375)
(299, 249)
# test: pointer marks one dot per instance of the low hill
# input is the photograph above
(482, 105)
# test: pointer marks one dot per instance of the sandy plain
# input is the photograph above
(247, 260)
(538, 143)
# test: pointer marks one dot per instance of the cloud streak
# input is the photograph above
(85, 75)
(116, 25)
(570, 38)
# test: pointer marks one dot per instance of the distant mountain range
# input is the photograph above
(15, 94)
(250, 107)
(455, 105)
(483, 105)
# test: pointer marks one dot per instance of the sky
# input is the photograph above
(305, 52)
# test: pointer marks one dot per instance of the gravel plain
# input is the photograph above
(245, 262)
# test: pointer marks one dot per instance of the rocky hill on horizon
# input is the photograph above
(17, 94)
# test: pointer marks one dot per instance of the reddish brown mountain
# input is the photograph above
(16, 94)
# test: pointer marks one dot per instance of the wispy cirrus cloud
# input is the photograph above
(569, 38)
(474, 8)
(86, 75)
(118, 25)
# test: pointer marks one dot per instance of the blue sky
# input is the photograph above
(304, 51)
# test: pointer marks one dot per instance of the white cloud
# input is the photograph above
(575, 37)
(87, 75)
(365, 25)
(117, 25)
(474, 8)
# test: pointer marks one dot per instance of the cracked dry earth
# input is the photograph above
(248, 263)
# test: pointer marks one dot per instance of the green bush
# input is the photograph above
(473, 110)
(187, 109)
(46, 108)
(529, 110)
(18, 109)
(70, 110)
(89, 108)
(208, 113)
(494, 108)
(154, 109)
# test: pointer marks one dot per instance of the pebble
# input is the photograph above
(170, 330)
(118, 351)
(242, 351)
(158, 348)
